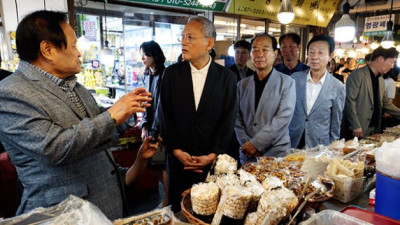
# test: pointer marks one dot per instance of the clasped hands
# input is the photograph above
(249, 150)
(194, 163)
(131, 103)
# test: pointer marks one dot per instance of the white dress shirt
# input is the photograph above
(313, 90)
(198, 80)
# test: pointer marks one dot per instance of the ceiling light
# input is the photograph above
(387, 41)
(374, 45)
(206, 2)
(286, 14)
(352, 53)
(339, 51)
(365, 50)
(345, 28)
(83, 43)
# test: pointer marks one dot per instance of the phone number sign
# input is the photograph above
(218, 5)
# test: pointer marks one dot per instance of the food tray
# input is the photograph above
(331, 217)
(368, 216)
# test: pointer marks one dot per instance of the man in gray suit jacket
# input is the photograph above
(266, 104)
(52, 128)
(366, 96)
(319, 98)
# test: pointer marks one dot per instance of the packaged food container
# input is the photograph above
(331, 217)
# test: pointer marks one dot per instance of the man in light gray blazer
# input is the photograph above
(366, 96)
(54, 132)
(266, 104)
(319, 98)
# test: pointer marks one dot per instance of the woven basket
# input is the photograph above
(186, 206)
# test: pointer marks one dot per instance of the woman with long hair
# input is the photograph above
(153, 59)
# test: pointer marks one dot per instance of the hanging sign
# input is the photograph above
(307, 12)
(376, 25)
(218, 5)
(90, 29)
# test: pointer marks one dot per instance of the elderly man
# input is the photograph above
(319, 98)
(53, 130)
(266, 104)
(366, 96)
(198, 100)
(290, 45)
(242, 55)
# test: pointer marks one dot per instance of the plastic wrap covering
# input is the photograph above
(205, 198)
(387, 157)
(233, 204)
(225, 164)
(163, 216)
(330, 217)
(73, 210)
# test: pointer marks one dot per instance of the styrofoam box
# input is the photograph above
(331, 217)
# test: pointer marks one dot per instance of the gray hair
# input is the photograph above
(208, 26)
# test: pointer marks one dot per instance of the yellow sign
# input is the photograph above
(307, 12)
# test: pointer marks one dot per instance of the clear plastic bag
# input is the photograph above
(72, 210)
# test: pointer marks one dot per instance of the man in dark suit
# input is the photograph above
(242, 55)
(198, 100)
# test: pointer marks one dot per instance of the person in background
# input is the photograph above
(3, 74)
(266, 104)
(290, 46)
(390, 89)
(319, 98)
(242, 55)
(278, 58)
(352, 65)
(213, 54)
(331, 67)
(198, 101)
(153, 59)
(366, 96)
(52, 128)
(342, 62)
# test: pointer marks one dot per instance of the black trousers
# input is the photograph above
(180, 180)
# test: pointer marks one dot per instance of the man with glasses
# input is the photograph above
(242, 55)
(290, 45)
(198, 101)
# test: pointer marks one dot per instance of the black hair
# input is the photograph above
(384, 52)
(242, 44)
(295, 37)
(37, 27)
(321, 37)
(273, 39)
(368, 57)
(153, 49)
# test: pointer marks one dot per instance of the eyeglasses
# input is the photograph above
(188, 37)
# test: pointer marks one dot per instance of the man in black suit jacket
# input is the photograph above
(242, 55)
(198, 100)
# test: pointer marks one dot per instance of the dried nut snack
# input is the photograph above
(225, 164)
(233, 204)
(274, 205)
(205, 198)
